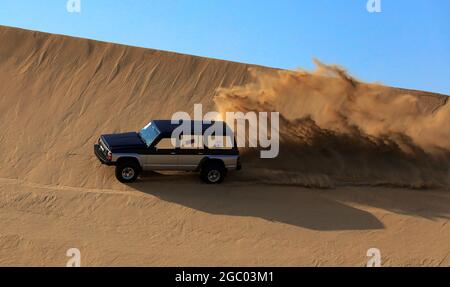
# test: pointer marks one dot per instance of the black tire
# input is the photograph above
(213, 172)
(127, 171)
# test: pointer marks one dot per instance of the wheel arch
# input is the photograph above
(208, 160)
(127, 158)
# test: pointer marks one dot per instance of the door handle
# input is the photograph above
(173, 153)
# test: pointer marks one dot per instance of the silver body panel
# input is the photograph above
(192, 162)
(189, 161)
(186, 162)
(160, 162)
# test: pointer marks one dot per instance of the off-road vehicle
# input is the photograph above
(155, 148)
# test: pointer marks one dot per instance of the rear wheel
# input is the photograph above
(127, 171)
(213, 173)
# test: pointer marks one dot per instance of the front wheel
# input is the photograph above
(127, 172)
(213, 173)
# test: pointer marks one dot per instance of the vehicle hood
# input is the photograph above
(123, 140)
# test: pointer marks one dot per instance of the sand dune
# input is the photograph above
(58, 94)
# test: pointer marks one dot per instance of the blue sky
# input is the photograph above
(406, 45)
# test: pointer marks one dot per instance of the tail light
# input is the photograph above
(109, 156)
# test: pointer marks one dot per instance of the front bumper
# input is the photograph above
(101, 157)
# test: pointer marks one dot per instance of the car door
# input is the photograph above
(191, 152)
(163, 156)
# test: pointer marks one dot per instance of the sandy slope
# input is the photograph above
(57, 94)
(180, 222)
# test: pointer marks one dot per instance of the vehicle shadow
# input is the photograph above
(430, 204)
(295, 206)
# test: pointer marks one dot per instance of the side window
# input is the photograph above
(219, 142)
(191, 142)
(166, 144)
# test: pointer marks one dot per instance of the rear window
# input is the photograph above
(166, 144)
(191, 142)
(219, 142)
(210, 142)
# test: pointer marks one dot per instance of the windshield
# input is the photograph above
(149, 134)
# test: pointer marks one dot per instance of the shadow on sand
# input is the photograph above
(295, 206)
